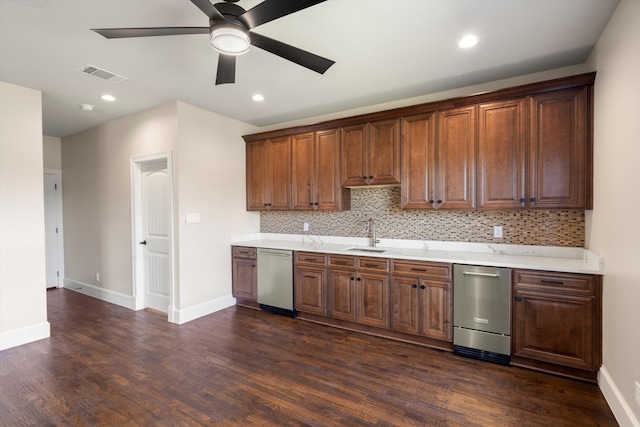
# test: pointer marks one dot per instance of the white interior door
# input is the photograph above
(156, 234)
(52, 229)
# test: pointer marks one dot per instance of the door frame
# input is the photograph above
(137, 229)
(60, 234)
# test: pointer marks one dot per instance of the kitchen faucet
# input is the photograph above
(371, 231)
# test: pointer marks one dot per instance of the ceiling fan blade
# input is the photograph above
(209, 10)
(269, 10)
(301, 57)
(226, 69)
(118, 33)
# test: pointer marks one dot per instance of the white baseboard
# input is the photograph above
(116, 298)
(25, 335)
(199, 310)
(621, 410)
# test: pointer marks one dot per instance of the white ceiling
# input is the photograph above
(385, 50)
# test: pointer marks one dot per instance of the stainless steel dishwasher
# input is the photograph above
(482, 313)
(275, 280)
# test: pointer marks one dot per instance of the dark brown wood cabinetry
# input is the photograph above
(269, 174)
(557, 320)
(502, 136)
(439, 166)
(244, 279)
(316, 172)
(371, 154)
(558, 154)
(421, 299)
(310, 284)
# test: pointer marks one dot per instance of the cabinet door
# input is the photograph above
(501, 154)
(311, 290)
(435, 300)
(328, 194)
(404, 305)
(383, 153)
(279, 185)
(558, 149)
(302, 156)
(373, 299)
(418, 162)
(342, 295)
(256, 176)
(456, 159)
(354, 139)
(554, 328)
(244, 279)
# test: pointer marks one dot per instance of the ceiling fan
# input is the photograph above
(230, 33)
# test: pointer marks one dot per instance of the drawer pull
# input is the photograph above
(423, 270)
(373, 265)
(309, 259)
(309, 277)
(552, 282)
(340, 262)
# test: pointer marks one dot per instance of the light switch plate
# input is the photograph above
(497, 231)
(192, 218)
(305, 226)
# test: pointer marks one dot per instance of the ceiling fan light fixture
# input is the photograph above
(230, 39)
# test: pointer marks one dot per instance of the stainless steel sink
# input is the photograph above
(365, 249)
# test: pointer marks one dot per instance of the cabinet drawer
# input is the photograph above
(342, 261)
(311, 258)
(373, 264)
(244, 252)
(582, 283)
(421, 269)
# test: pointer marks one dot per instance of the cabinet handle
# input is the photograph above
(358, 279)
(253, 266)
(518, 299)
(364, 177)
(352, 278)
(431, 201)
(309, 277)
(552, 282)
(532, 200)
(315, 204)
(522, 200)
(439, 201)
(340, 262)
(414, 286)
(372, 265)
(423, 287)
(419, 269)
(370, 177)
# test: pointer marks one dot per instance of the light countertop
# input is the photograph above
(548, 258)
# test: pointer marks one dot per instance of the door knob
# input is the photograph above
(144, 242)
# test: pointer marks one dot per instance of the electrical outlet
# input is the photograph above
(97, 277)
(497, 231)
(638, 393)
(305, 226)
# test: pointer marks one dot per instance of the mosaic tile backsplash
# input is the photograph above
(520, 227)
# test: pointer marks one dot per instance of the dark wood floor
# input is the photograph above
(106, 365)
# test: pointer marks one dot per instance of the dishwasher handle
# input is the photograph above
(477, 273)
(275, 253)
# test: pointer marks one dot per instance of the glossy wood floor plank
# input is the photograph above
(106, 365)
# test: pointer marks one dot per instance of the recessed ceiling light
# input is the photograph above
(257, 97)
(87, 107)
(468, 41)
(108, 97)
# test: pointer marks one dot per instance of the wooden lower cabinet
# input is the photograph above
(244, 276)
(557, 320)
(310, 284)
(421, 303)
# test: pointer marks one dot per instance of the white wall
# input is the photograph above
(23, 306)
(211, 182)
(615, 221)
(52, 152)
(97, 195)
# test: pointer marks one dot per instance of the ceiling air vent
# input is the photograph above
(102, 74)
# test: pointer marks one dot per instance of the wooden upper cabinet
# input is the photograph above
(371, 154)
(558, 151)
(456, 159)
(418, 161)
(501, 154)
(316, 172)
(438, 171)
(269, 174)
